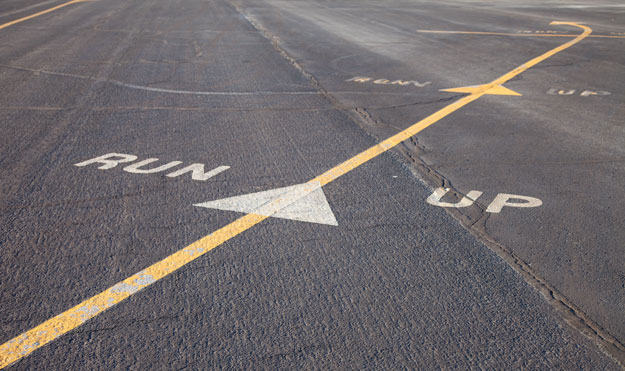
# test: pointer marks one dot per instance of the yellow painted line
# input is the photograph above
(9, 24)
(515, 34)
(51, 329)
(495, 90)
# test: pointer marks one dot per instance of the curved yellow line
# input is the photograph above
(514, 34)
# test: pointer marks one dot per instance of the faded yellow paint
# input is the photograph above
(8, 24)
(523, 34)
(26, 343)
(495, 90)
(402, 83)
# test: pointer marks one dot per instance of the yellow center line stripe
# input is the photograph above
(51, 329)
(8, 24)
(515, 34)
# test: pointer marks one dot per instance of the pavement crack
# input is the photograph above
(335, 104)
(441, 100)
(275, 42)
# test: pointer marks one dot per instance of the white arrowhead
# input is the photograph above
(305, 202)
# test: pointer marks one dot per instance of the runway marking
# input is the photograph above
(495, 90)
(9, 24)
(363, 79)
(515, 34)
(585, 93)
(111, 160)
(24, 344)
(501, 200)
(466, 201)
(304, 202)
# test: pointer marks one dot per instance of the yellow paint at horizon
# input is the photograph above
(29, 341)
(16, 21)
(521, 34)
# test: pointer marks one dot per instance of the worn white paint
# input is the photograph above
(197, 172)
(108, 161)
(468, 200)
(364, 79)
(303, 202)
(505, 200)
(585, 93)
(501, 200)
(111, 160)
(553, 91)
(136, 167)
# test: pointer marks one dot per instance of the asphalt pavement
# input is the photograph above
(209, 185)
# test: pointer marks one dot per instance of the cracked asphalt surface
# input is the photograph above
(263, 86)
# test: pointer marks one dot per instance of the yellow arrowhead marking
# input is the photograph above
(494, 90)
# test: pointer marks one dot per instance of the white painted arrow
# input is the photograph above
(305, 202)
